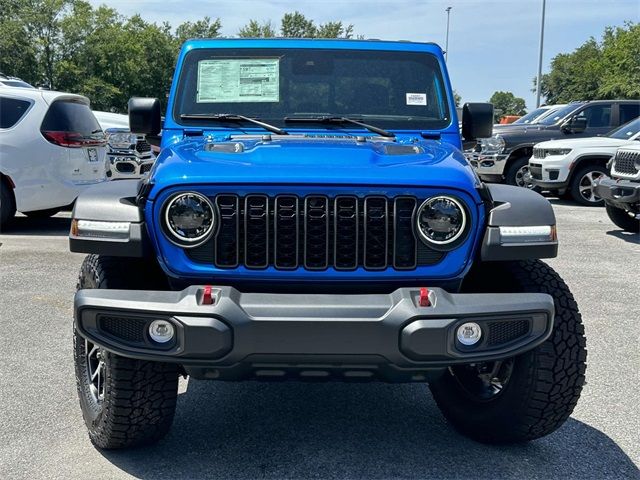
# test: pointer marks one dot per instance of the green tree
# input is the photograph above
(255, 29)
(457, 98)
(608, 69)
(205, 28)
(18, 55)
(296, 25)
(506, 103)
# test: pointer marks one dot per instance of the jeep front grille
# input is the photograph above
(625, 162)
(315, 232)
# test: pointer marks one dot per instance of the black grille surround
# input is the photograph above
(315, 232)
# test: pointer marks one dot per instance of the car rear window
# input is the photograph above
(12, 110)
(70, 116)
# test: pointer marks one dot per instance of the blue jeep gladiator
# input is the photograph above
(311, 217)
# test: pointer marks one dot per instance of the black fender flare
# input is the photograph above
(113, 201)
(513, 206)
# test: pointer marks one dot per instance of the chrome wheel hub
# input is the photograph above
(523, 177)
(95, 370)
(485, 381)
(587, 186)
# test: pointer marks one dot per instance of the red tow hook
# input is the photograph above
(207, 297)
(424, 297)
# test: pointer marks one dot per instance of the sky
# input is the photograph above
(493, 44)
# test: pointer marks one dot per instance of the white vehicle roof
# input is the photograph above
(35, 94)
(112, 120)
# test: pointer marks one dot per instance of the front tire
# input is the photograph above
(518, 174)
(623, 219)
(582, 186)
(528, 396)
(124, 402)
(7, 204)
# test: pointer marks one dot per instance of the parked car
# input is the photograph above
(304, 223)
(51, 148)
(129, 155)
(574, 165)
(504, 157)
(621, 192)
(530, 118)
(9, 81)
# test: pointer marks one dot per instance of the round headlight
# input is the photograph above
(189, 219)
(441, 221)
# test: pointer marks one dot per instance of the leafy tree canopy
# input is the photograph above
(506, 103)
(609, 69)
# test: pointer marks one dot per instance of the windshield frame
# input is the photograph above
(389, 122)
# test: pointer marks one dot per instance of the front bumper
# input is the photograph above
(128, 165)
(552, 173)
(270, 336)
(619, 193)
(488, 166)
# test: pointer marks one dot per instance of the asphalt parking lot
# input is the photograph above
(254, 430)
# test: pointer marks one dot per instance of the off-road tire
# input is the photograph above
(512, 172)
(574, 185)
(545, 383)
(622, 219)
(139, 397)
(7, 204)
(49, 212)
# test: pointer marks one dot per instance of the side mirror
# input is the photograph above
(477, 121)
(575, 125)
(144, 115)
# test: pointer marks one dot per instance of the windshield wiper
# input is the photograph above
(231, 117)
(340, 119)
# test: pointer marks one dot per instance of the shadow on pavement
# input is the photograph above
(21, 225)
(297, 430)
(626, 236)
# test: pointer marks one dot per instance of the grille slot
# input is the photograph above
(405, 255)
(346, 234)
(286, 232)
(227, 247)
(504, 332)
(315, 232)
(624, 162)
(376, 233)
(128, 329)
(256, 231)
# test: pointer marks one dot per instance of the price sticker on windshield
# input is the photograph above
(417, 99)
(246, 80)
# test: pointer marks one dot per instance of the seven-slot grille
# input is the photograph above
(625, 162)
(315, 232)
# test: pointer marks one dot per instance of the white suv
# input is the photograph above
(574, 165)
(51, 148)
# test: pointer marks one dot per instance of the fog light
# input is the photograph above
(469, 333)
(161, 331)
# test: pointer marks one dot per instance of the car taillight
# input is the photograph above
(71, 139)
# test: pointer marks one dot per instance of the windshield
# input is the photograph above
(529, 117)
(552, 119)
(401, 90)
(626, 131)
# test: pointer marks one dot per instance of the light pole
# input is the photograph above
(446, 43)
(538, 86)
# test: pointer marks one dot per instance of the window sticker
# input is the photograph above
(417, 99)
(245, 80)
